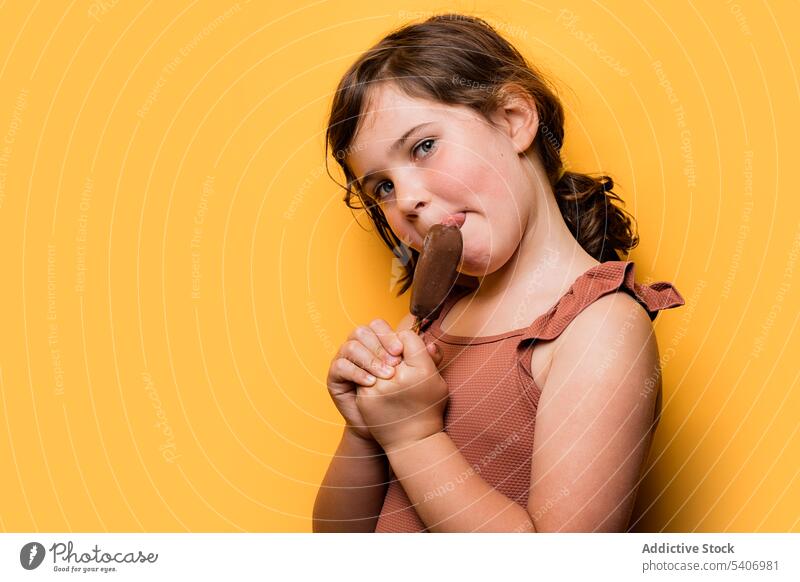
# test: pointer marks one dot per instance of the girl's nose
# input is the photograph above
(411, 199)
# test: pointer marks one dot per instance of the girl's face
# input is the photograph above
(451, 162)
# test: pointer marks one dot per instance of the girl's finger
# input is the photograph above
(436, 353)
(390, 345)
(347, 371)
(413, 349)
(367, 336)
(361, 356)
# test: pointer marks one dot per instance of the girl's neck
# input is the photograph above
(548, 258)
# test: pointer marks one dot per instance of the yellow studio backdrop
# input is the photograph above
(179, 270)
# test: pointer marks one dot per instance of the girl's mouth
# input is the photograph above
(456, 220)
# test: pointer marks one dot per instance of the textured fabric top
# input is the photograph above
(493, 398)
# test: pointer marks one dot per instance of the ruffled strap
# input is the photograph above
(601, 280)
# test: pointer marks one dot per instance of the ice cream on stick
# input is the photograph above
(436, 271)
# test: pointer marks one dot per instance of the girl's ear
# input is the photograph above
(516, 116)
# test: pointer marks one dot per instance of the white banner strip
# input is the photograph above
(401, 557)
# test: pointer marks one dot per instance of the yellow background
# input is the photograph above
(179, 269)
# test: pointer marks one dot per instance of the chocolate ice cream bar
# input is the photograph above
(435, 273)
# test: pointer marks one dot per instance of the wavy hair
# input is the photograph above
(461, 60)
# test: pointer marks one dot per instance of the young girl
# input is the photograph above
(529, 404)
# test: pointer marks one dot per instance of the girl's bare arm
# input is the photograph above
(352, 493)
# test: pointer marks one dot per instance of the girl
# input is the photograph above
(529, 404)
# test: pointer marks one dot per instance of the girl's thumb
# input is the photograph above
(435, 353)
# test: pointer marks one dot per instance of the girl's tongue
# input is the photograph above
(454, 220)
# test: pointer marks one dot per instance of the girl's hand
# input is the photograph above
(359, 356)
(410, 406)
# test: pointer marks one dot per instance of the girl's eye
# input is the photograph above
(379, 191)
(425, 147)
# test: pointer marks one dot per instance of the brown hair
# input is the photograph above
(461, 60)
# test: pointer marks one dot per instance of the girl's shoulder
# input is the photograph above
(611, 315)
(606, 294)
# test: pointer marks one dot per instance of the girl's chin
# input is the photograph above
(480, 261)
(472, 268)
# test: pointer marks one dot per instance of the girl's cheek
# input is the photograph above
(454, 171)
(476, 174)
